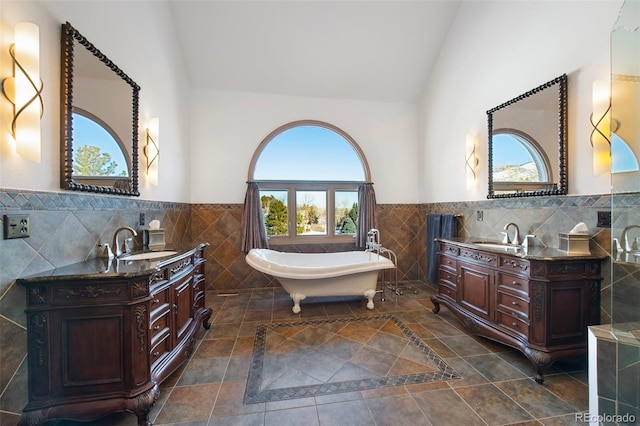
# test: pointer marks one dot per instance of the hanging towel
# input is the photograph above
(438, 226)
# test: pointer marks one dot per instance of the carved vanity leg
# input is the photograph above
(141, 405)
(370, 294)
(297, 297)
(541, 361)
(436, 305)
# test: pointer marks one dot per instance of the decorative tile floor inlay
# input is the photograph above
(312, 358)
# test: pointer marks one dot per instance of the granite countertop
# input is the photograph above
(531, 253)
(102, 267)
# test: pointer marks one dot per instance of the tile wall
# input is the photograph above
(66, 227)
(617, 373)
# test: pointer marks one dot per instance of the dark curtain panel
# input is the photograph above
(438, 226)
(366, 213)
(253, 233)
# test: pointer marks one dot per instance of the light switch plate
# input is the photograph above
(604, 219)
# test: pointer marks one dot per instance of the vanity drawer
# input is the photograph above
(445, 290)
(513, 283)
(449, 262)
(513, 323)
(448, 278)
(508, 302)
(159, 298)
(159, 324)
(450, 249)
(479, 257)
(514, 265)
(160, 345)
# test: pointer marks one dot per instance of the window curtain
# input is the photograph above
(254, 235)
(366, 213)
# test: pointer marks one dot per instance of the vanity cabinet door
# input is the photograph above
(182, 306)
(476, 290)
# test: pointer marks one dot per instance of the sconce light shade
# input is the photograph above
(601, 122)
(152, 150)
(24, 90)
(471, 162)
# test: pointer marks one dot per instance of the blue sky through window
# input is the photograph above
(309, 153)
(508, 151)
(89, 132)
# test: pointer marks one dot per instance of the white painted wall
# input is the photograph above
(136, 36)
(229, 126)
(496, 51)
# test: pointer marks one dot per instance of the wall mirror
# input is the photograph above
(528, 143)
(99, 120)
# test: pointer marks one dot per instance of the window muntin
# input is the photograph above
(317, 169)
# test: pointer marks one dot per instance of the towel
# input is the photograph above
(438, 226)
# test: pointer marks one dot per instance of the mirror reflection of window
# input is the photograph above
(100, 153)
(518, 158)
(622, 157)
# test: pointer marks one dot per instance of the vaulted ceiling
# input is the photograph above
(363, 49)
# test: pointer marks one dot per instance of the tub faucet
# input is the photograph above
(373, 240)
(626, 244)
(116, 242)
(516, 235)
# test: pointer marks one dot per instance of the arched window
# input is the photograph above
(519, 162)
(308, 173)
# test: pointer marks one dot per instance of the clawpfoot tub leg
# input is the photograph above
(370, 294)
(297, 297)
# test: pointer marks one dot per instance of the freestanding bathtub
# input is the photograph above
(350, 273)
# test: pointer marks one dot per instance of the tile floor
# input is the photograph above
(495, 387)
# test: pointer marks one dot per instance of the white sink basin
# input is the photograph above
(149, 255)
(499, 246)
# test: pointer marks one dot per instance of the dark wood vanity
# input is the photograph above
(103, 334)
(539, 301)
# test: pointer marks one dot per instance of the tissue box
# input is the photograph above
(574, 243)
(156, 239)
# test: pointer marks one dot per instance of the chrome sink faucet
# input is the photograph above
(626, 244)
(116, 242)
(516, 235)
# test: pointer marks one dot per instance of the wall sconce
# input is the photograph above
(471, 161)
(24, 90)
(601, 122)
(152, 150)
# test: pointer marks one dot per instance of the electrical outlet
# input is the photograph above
(16, 226)
(141, 221)
(479, 215)
(604, 219)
